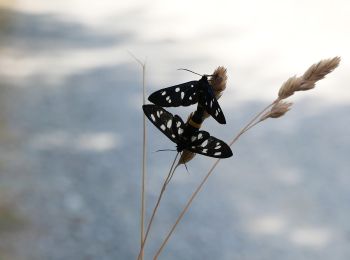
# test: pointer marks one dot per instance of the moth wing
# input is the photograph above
(178, 95)
(178, 127)
(163, 120)
(191, 95)
(198, 137)
(213, 108)
(211, 146)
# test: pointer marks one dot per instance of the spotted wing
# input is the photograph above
(198, 137)
(178, 95)
(171, 126)
(212, 107)
(209, 146)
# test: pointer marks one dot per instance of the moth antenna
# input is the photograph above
(191, 71)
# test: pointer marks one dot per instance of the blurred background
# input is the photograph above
(71, 129)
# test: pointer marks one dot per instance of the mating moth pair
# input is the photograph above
(187, 136)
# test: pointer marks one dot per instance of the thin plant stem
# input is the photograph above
(143, 203)
(251, 123)
(248, 126)
(144, 145)
(166, 182)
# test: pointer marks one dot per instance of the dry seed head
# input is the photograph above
(306, 85)
(218, 83)
(289, 87)
(306, 82)
(278, 110)
(218, 80)
(319, 70)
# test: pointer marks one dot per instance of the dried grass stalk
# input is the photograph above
(319, 70)
(289, 87)
(308, 80)
(144, 146)
(218, 79)
(278, 110)
(218, 83)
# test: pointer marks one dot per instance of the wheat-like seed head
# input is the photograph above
(278, 110)
(321, 69)
(308, 80)
(218, 83)
(289, 87)
(317, 72)
(219, 79)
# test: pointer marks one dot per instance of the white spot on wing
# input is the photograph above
(217, 147)
(158, 114)
(217, 153)
(177, 89)
(193, 138)
(153, 118)
(182, 95)
(162, 127)
(178, 124)
(200, 136)
(180, 131)
(167, 98)
(205, 150)
(163, 93)
(173, 136)
(216, 113)
(169, 123)
(204, 144)
(169, 101)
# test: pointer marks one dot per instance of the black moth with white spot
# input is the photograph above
(174, 128)
(190, 93)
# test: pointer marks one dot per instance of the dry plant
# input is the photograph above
(144, 145)
(218, 83)
(276, 109)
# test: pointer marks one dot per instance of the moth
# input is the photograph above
(174, 128)
(190, 93)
